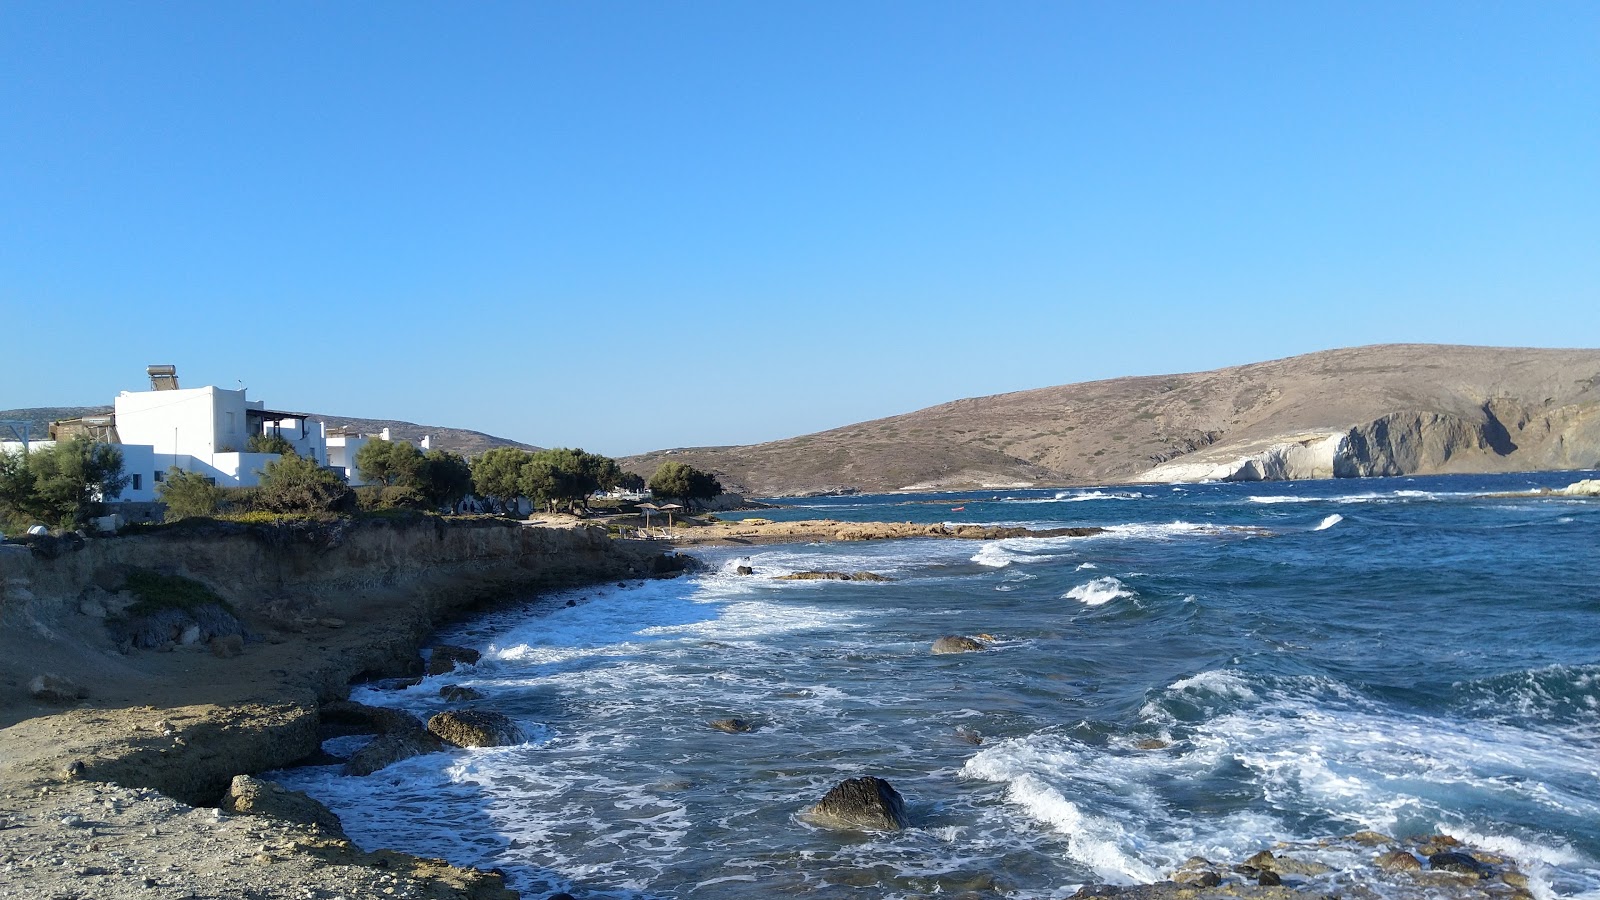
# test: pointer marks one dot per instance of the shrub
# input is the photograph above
(295, 485)
(189, 495)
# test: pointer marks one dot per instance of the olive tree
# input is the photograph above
(684, 482)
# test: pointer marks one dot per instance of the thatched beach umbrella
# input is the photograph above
(649, 508)
(668, 508)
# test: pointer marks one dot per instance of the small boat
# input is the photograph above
(958, 509)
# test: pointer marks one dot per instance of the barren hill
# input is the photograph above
(1380, 410)
(460, 440)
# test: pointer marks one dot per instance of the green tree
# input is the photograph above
(63, 484)
(444, 478)
(269, 443)
(388, 462)
(188, 495)
(291, 484)
(497, 474)
(684, 482)
(18, 499)
(631, 481)
(546, 481)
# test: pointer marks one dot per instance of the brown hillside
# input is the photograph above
(1400, 408)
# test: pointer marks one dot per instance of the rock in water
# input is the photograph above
(744, 570)
(475, 728)
(459, 693)
(256, 797)
(957, 643)
(860, 804)
(832, 576)
(731, 726)
(444, 658)
(390, 748)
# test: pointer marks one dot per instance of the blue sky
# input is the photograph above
(627, 226)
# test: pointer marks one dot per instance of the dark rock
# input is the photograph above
(1269, 879)
(1398, 861)
(956, 643)
(255, 797)
(1456, 861)
(1153, 744)
(832, 576)
(457, 693)
(1198, 871)
(969, 736)
(862, 804)
(1198, 878)
(475, 728)
(444, 658)
(56, 689)
(731, 726)
(358, 718)
(744, 570)
(227, 646)
(388, 749)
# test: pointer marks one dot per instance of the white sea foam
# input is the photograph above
(1329, 522)
(1079, 496)
(1087, 565)
(1099, 591)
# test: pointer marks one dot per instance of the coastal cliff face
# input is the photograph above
(378, 586)
(1382, 410)
(1512, 438)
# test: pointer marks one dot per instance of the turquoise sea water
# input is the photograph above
(1228, 666)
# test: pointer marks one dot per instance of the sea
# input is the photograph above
(1226, 667)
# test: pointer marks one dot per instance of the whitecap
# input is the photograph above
(1329, 522)
(1099, 591)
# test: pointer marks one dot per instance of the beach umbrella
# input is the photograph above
(648, 509)
(668, 508)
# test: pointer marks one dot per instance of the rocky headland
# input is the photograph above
(1396, 409)
(126, 722)
(764, 531)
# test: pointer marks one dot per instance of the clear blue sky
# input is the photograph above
(627, 226)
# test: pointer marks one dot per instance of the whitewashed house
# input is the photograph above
(207, 430)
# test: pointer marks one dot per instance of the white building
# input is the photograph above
(207, 430)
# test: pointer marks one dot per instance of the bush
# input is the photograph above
(294, 485)
(189, 495)
(376, 497)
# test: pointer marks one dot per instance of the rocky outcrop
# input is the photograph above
(443, 658)
(957, 643)
(1290, 872)
(475, 728)
(1588, 487)
(390, 748)
(732, 726)
(56, 689)
(832, 576)
(1400, 443)
(252, 796)
(860, 804)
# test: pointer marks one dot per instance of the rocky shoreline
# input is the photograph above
(763, 531)
(140, 789)
(119, 792)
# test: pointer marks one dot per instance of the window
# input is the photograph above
(138, 481)
(159, 479)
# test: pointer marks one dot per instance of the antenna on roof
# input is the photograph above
(163, 378)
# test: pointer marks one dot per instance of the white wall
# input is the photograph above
(206, 430)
